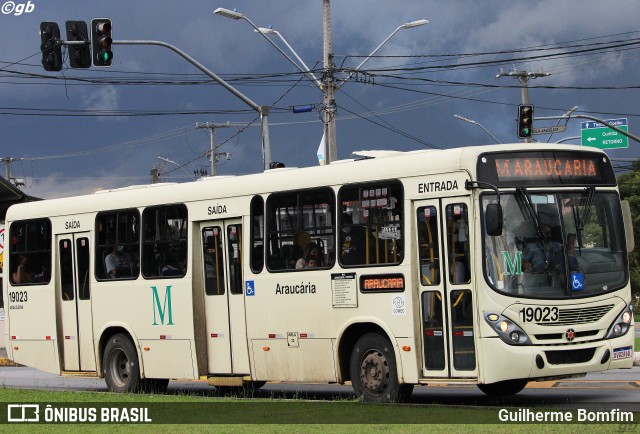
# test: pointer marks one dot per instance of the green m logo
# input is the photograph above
(512, 266)
(162, 308)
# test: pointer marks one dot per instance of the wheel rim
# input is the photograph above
(120, 367)
(374, 372)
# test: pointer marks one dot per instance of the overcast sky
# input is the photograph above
(124, 117)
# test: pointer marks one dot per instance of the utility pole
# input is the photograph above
(212, 133)
(7, 167)
(7, 171)
(154, 176)
(329, 88)
(523, 77)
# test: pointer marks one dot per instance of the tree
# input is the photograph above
(629, 185)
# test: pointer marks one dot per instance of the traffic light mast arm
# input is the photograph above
(591, 118)
(198, 65)
(263, 111)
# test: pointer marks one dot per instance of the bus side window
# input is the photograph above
(164, 248)
(458, 243)
(213, 260)
(118, 232)
(428, 250)
(257, 234)
(297, 220)
(371, 230)
(30, 252)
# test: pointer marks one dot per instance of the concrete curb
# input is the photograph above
(7, 362)
(636, 358)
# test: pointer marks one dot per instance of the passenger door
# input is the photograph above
(446, 300)
(225, 322)
(73, 294)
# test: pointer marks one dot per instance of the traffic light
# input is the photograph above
(525, 121)
(101, 41)
(50, 46)
(79, 55)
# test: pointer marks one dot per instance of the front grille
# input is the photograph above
(581, 315)
(567, 357)
(554, 336)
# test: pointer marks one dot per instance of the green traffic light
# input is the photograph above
(105, 56)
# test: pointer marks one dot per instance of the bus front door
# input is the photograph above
(225, 327)
(73, 294)
(446, 299)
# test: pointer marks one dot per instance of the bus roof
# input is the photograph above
(377, 165)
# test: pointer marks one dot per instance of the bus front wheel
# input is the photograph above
(374, 374)
(120, 365)
(503, 388)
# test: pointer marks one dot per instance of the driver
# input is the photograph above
(543, 254)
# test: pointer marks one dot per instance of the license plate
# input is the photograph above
(622, 353)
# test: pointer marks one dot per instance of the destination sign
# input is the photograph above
(540, 168)
(527, 168)
(382, 283)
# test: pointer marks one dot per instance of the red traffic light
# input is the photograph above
(103, 27)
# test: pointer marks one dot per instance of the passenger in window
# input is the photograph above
(118, 263)
(172, 267)
(352, 242)
(542, 255)
(571, 259)
(22, 273)
(313, 255)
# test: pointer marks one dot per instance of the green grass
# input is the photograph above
(282, 416)
(636, 344)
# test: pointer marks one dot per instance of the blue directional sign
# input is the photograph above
(600, 136)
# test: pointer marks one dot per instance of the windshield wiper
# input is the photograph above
(533, 215)
(583, 217)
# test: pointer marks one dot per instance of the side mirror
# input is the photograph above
(493, 219)
(628, 225)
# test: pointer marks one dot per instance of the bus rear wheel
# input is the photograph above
(503, 388)
(374, 374)
(120, 366)
(155, 385)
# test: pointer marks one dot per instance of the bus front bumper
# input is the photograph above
(507, 362)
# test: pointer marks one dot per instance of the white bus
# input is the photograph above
(493, 266)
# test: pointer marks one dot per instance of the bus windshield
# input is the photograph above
(556, 245)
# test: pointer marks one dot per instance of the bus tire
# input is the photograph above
(120, 366)
(374, 374)
(503, 388)
(254, 385)
(155, 385)
(245, 390)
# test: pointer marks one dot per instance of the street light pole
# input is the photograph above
(471, 121)
(408, 25)
(306, 70)
(179, 166)
(328, 83)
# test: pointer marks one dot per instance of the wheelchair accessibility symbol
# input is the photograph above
(249, 288)
(577, 281)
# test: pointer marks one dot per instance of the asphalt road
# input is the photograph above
(613, 389)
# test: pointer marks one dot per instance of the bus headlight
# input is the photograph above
(621, 325)
(507, 330)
